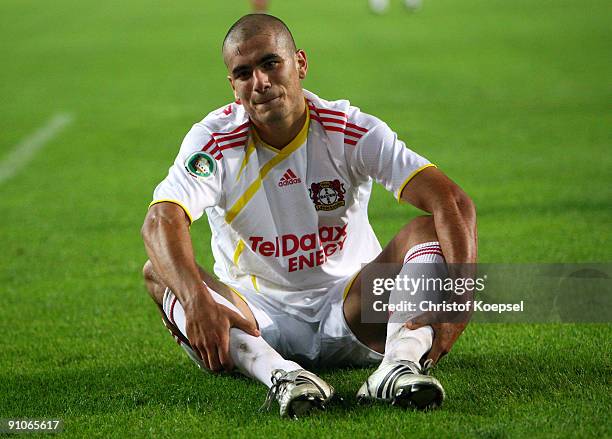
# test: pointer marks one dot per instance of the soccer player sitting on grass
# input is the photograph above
(284, 177)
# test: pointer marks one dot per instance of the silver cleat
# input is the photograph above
(405, 384)
(298, 392)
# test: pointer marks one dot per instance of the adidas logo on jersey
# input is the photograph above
(288, 178)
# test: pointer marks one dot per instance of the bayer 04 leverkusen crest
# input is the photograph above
(327, 195)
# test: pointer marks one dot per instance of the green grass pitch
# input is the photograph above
(510, 98)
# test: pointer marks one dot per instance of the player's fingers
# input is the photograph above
(434, 355)
(413, 324)
(437, 351)
(240, 322)
(213, 360)
(203, 356)
(224, 355)
(213, 357)
(419, 321)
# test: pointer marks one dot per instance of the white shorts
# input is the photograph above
(325, 343)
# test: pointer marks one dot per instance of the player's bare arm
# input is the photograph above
(453, 212)
(168, 244)
(454, 216)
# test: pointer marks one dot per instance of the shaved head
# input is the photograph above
(252, 25)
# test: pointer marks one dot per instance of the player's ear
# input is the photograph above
(231, 81)
(302, 63)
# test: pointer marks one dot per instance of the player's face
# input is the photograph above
(265, 75)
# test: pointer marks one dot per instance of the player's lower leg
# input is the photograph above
(252, 356)
(296, 390)
(400, 378)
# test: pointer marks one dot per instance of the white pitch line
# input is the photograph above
(25, 150)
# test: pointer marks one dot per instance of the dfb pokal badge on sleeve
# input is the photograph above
(200, 165)
(327, 195)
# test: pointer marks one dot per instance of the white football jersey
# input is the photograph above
(289, 223)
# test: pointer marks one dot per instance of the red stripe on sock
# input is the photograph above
(416, 255)
(427, 247)
(431, 248)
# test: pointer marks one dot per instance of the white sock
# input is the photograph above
(251, 355)
(403, 343)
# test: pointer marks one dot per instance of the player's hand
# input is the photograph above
(448, 325)
(445, 335)
(208, 330)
